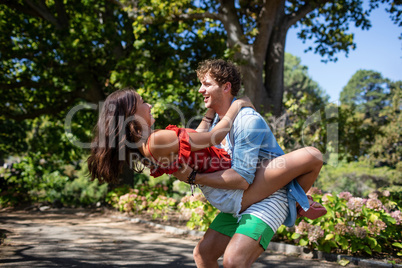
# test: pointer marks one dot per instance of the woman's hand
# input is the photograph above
(210, 113)
(244, 102)
(183, 173)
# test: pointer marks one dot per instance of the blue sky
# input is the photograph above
(377, 49)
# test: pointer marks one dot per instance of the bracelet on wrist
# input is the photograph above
(209, 118)
(191, 177)
(191, 180)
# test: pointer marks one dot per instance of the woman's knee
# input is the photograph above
(315, 155)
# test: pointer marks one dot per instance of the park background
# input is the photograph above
(60, 59)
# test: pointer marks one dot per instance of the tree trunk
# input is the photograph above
(254, 86)
(268, 48)
(274, 67)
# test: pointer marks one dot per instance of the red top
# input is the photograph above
(207, 160)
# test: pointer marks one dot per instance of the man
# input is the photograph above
(241, 241)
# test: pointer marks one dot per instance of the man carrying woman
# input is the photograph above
(255, 154)
(249, 189)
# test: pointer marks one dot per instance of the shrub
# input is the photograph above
(83, 192)
(352, 225)
(36, 180)
(198, 210)
(144, 198)
(358, 178)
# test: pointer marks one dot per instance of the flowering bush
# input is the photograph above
(161, 206)
(199, 211)
(352, 225)
(143, 198)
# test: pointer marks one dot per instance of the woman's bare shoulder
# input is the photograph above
(163, 142)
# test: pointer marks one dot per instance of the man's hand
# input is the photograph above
(183, 173)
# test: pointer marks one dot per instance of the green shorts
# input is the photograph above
(249, 225)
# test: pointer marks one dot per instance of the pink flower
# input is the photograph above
(386, 193)
(345, 195)
(360, 232)
(124, 197)
(302, 227)
(314, 190)
(373, 195)
(355, 204)
(314, 233)
(185, 199)
(376, 227)
(397, 215)
(325, 199)
(374, 203)
(341, 228)
(198, 197)
(128, 206)
(199, 211)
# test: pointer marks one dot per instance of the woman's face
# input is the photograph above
(143, 112)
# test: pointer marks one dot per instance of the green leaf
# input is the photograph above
(295, 236)
(368, 250)
(344, 243)
(75, 42)
(329, 236)
(373, 217)
(377, 248)
(372, 242)
(398, 245)
(391, 220)
(343, 262)
(303, 242)
(281, 229)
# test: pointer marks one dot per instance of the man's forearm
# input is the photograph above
(224, 179)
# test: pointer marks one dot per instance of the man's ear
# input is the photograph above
(227, 87)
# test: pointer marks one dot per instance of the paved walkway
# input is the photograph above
(81, 238)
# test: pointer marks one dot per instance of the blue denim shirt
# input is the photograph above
(250, 140)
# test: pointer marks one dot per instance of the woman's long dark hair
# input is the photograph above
(117, 128)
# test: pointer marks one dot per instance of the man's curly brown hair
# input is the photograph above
(222, 71)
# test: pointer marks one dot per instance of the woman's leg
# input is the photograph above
(304, 165)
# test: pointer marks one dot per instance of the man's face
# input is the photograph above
(212, 92)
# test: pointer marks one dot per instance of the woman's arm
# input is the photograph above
(206, 121)
(203, 140)
(164, 143)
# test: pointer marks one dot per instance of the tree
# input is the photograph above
(303, 99)
(387, 147)
(256, 32)
(56, 55)
(298, 83)
(368, 92)
(370, 108)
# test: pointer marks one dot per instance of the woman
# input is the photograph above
(124, 128)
